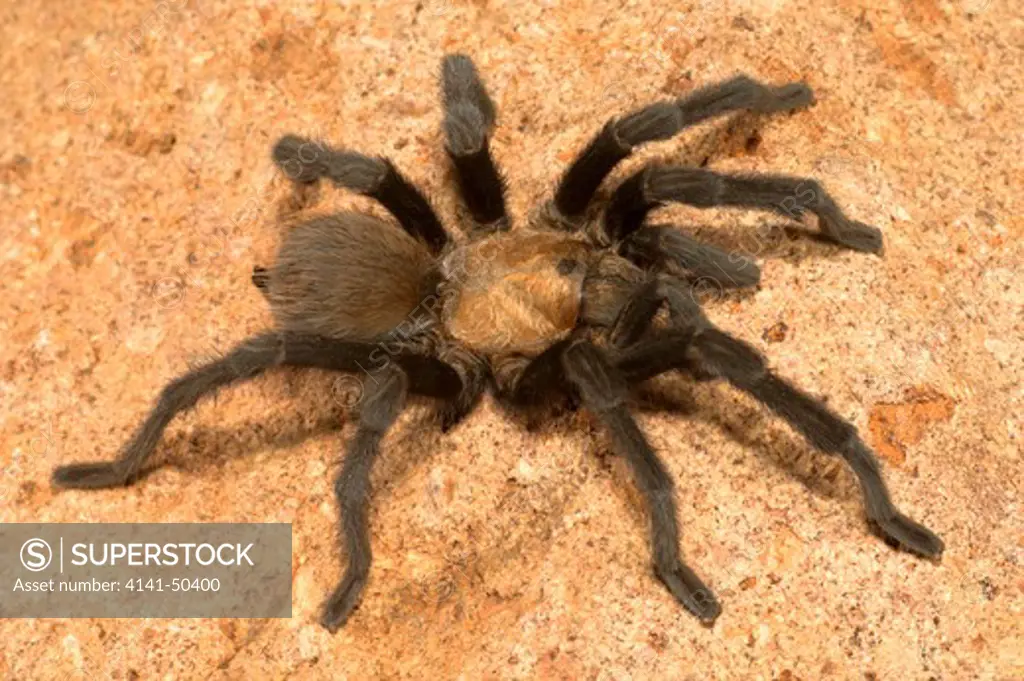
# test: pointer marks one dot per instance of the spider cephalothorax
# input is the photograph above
(566, 305)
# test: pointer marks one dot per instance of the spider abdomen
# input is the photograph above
(515, 292)
(347, 275)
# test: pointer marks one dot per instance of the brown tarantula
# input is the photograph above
(565, 308)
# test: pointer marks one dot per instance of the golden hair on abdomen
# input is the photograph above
(516, 291)
(347, 276)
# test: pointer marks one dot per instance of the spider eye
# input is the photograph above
(567, 266)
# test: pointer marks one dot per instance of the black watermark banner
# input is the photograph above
(145, 570)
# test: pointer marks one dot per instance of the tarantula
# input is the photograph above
(573, 306)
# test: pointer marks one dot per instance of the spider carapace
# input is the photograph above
(567, 305)
(516, 292)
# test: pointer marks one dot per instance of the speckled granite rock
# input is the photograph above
(138, 193)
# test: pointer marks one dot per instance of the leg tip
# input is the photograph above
(691, 593)
(89, 476)
(461, 84)
(708, 608)
(861, 237)
(744, 273)
(912, 536)
(287, 148)
(342, 603)
(795, 96)
(331, 622)
(298, 158)
(453, 62)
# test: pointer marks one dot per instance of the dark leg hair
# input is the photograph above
(468, 123)
(661, 121)
(379, 408)
(706, 349)
(536, 378)
(660, 245)
(654, 186)
(428, 376)
(650, 357)
(474, 373)
(305, 161)
(636, 316)
(603, 391)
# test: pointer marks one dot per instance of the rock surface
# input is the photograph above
(138, 194)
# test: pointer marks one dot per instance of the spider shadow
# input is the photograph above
(201, 449)
(823, 474)
(417, 436)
